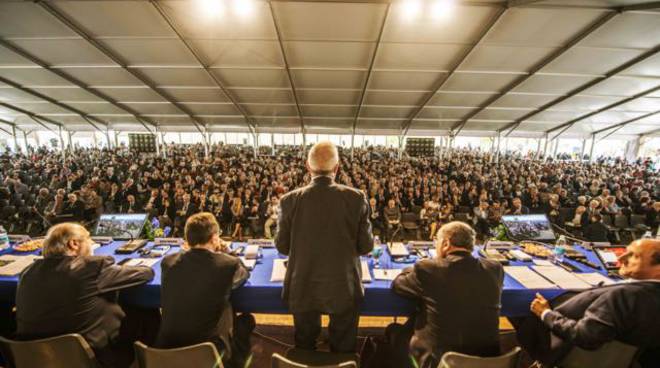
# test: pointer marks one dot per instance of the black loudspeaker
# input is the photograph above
(420, 147)
(142, 142)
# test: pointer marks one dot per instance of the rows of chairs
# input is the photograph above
(72, 351)
(622, 227)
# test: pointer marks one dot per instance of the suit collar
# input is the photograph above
(322, 180)
(458, 255)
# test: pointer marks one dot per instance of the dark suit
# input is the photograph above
(76, 210)
(594, 317)
(596, 232)
(460, 298)
(324, 228)
(195, 290)
(62, 294)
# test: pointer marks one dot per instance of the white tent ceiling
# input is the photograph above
(417, 66)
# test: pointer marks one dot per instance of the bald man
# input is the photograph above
(324, 228)
(626, 312)
(72, 291)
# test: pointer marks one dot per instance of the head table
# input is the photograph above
(260, 295)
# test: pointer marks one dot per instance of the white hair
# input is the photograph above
(323, 157)
(58, 237)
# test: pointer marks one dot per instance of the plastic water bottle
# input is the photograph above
(4, 238)
(560, 249)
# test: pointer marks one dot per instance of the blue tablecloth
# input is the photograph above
(260, 295)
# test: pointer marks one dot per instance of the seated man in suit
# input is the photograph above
(624, 312)
(460, 298)
(195, 290)
(596, 231)
(71, 291)
(74, 208)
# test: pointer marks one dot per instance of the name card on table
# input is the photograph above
(279, 270)
(386, 274)
(366, 275)
(149, 262)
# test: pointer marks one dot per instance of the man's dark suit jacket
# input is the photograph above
(626, 312)
(195, 290)
(596, 232)
(62, 294)
(75, 209)
(323, 228)
(460, 304)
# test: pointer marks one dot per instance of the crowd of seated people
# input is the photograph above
(467, 324)
(243, 191)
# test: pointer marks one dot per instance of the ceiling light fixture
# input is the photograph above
(411, 9)
(211, 8)
(243, 8)
(442, 9)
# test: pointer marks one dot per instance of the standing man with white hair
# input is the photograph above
(324, 228)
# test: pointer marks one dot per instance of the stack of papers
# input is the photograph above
(542, 262)
(595, 279)
(398, 250)
(16, 264)
(279, 270)
(561, 277)
(386, 274)
(149, 262)
(366, 275)
(528, 278)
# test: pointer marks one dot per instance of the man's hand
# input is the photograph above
(539, 305)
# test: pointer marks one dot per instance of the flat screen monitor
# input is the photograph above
(121, 225)
(609, 256)
(529, 227)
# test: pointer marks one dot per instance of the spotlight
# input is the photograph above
(411, 9)
(442, 9)
(243, 8)
(211, 8)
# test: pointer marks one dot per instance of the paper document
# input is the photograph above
(386, 274)
(16, 264)
(528, 278)
(251, 252)
(595, 278)
(542, 262)
(561, 277)
(366, 275)
(149, 262)
(398, 250)
(249, 263)
(279, 270)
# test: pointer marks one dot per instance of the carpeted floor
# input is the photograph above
(274, 334)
